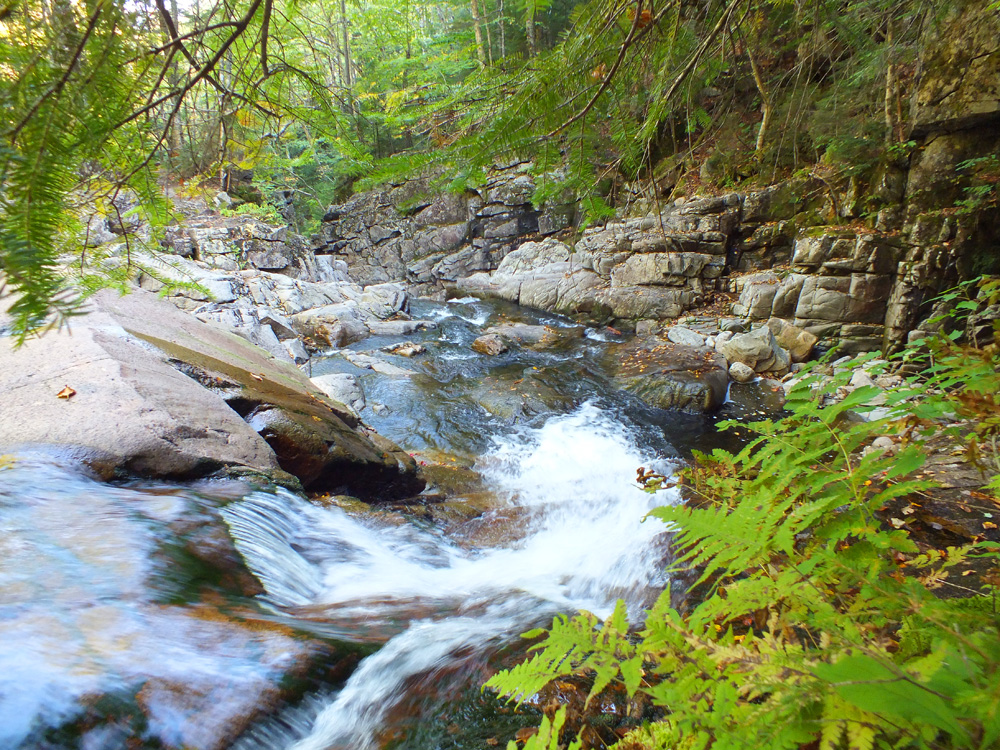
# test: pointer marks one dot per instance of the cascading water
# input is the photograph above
(127, 616)
(580, 543)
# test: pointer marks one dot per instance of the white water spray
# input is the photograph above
(582, 544)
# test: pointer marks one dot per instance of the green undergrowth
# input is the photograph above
(824, 623)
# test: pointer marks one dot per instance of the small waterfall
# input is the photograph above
(265, 524)
(580, 544)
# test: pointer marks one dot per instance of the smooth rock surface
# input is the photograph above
(672, 376)
(159, 393)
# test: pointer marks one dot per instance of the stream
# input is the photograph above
(367, 625)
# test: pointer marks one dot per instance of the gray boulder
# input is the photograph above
(536, 337)
(399, 327)
(757, 296)
(798, 341)
(741, 373)
(384, 300)
(758, 350)
(159, 393)
(342, 387)
(684, 335)
(332, 325)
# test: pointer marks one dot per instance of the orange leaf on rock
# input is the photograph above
(66, 392)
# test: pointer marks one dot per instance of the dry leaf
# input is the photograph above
(255, 376)
(66, 392)
(989, 525)
(897, 523)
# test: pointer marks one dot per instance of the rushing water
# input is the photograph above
(91, 602)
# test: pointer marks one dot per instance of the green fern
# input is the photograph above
(812, 631)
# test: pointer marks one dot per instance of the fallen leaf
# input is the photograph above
(897, 523)
(255, 376)
(66, 392)
(989, 525)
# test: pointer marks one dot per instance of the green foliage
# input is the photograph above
(822, 622)
(265, 212)
(983, 174)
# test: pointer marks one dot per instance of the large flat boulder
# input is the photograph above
(159, 393)
(672, 376)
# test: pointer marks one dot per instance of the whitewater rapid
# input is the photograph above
(579, 542)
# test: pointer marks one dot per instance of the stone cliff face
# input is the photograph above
(405, 233)
(861, 289)
(955, 116)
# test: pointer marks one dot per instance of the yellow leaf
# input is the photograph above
(66, 392)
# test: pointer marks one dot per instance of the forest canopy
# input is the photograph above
(103, 96)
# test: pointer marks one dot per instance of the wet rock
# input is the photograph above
(513, 397)
(368, 362)
(406, 349)
(535, 336)
(159, 393)
(399, 327)
(332, 325)
(118, 599)
(741, 373)
(755, 399)
(684, 335)
(491, 344)
(342, 387)
(668, 375)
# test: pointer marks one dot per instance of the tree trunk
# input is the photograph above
(529, 33)
(503, 34)
(477, 21)
(348, 73)
(765, 102)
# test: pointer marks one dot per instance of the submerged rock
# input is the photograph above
(535, 336)
(116, 593)
(672, 376)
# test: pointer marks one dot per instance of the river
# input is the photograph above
(115, 632)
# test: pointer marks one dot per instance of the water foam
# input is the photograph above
(584, 544)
